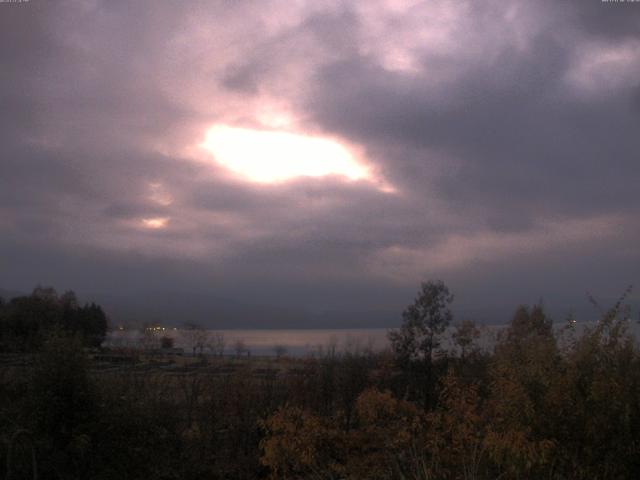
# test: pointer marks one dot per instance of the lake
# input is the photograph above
(302, 342)
(296, 342)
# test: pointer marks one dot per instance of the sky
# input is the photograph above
(308, 163)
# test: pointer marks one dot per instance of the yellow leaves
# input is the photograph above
(382, 408)
(388, 428)
(456, 427)
(526, 393)
(515, 450)
(536, 412)
(299, 442)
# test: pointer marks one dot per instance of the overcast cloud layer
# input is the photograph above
(502, 140)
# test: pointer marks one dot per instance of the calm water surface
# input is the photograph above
(300, 342)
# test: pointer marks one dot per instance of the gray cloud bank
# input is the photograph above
(508, 131)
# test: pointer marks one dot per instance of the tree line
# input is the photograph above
(26, 321)
(545, 402)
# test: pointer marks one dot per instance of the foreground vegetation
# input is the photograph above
(545, 403)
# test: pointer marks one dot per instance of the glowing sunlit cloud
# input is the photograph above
(269, 156)
(603, 68)
(159, 195)
(458, 251)
(155, 223)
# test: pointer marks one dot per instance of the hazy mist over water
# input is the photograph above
(303, 342)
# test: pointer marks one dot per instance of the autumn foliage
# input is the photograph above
(530, 409)
(542, 402)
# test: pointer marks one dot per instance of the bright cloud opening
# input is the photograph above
(155, 223)
(272, 156)
(158, 194)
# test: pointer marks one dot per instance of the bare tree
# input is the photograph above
(217, 344)
(239, 347)
(148, 338)
(465, 335)
(195, 337)
(280, 350)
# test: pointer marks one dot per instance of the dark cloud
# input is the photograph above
(523, 146)
(503, 145)
(611, 21)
